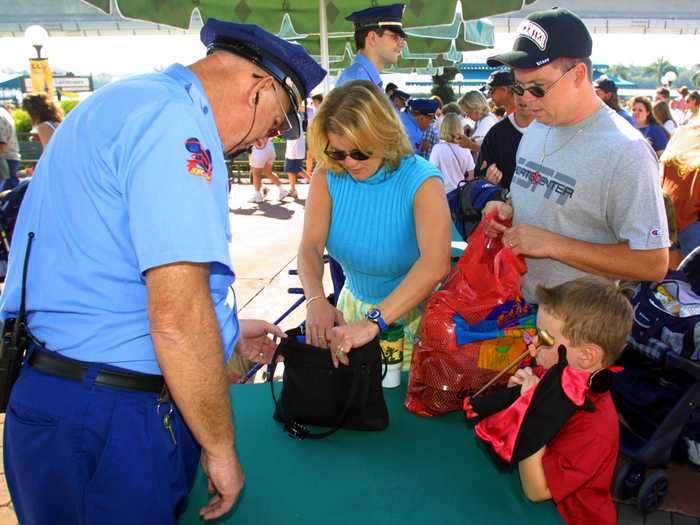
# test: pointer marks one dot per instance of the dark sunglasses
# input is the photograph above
(340, 155)
(537, 91)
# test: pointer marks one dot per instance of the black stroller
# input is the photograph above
(658, 393)
(10, 202)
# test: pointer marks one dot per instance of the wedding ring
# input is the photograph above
(510, 244)
(339, 351)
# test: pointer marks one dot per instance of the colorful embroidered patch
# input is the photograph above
(199, 163)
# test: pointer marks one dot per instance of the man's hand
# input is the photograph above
(224, 480)
(505, 212)
(493, 174)
(531, 241)
(255, 343)
(345, 338)
(467, 143)
(425, 146)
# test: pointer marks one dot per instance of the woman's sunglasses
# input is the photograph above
(340, 155)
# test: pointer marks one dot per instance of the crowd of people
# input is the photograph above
(130, 273)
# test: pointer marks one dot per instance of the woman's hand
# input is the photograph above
(321, 317)
(344, 338)
(255, 343)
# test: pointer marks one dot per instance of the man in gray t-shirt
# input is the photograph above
(586, 195)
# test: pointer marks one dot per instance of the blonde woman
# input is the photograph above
(454, 162)
(379, 210)
(476, 107)
(680, 164)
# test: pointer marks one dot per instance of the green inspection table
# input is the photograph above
(418, 471)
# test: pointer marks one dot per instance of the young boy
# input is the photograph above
(592, 319)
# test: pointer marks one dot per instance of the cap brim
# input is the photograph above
(513, 59)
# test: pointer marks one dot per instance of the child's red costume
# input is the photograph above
(571, 413)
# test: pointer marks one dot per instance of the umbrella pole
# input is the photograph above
(325, 62)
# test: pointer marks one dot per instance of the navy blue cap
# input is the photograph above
(545, 36)
(401, 94)
(424, 106)
(379, 17)
(499, 78)
(287, 62)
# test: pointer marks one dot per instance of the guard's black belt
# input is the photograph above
(71, 369)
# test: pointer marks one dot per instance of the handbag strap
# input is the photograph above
(459, 164)
(298, 430)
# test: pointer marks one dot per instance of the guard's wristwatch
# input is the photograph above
(375, 315)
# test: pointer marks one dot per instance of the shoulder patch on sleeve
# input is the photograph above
(199, 163)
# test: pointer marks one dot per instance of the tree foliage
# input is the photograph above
(442, 87)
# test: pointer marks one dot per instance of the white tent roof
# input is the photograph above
(73, 17)
(622, 16)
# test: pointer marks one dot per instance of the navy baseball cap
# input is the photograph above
(379, 17)
(605, 84)
(545, 36)
(500, 78)
(401, 94)
(424, 106)
(287, 62)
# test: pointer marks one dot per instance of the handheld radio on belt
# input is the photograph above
(15, 340)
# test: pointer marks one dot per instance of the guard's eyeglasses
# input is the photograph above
(537, 91)
(286, 125)
(340, 155)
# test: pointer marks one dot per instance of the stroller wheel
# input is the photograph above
(628, 479)
(652, 492)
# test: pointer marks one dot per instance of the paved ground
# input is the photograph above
(265, 240)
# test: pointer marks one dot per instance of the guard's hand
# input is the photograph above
(345, 338)
(224, 480)
(532, 241)
(255, 343)
(321, 317)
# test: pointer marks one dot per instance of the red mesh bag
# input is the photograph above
(484, 284)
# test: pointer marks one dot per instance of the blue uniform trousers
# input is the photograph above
(77, 453)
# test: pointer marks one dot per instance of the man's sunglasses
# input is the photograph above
(537, 91)
(340, 155)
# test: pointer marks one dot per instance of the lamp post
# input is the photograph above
(40, 71)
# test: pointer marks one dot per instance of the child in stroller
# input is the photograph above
(658, 392)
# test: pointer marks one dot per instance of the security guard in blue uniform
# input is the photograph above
(128, 287)
(418, 117)
(379, 38)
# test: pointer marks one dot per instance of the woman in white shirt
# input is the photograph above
(476, 107)
(454, 162)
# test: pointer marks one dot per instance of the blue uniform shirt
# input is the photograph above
(362, 68)
(134, 178)
(415, 134)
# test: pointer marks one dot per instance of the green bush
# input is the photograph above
(23, 124)
(67, 105)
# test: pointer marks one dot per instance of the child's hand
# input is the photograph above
(528, 383)
(519, 377)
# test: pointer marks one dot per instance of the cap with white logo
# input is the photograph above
(545, 36)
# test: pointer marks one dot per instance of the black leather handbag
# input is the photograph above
(315, 393)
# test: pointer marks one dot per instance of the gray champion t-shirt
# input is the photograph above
(598, 182)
